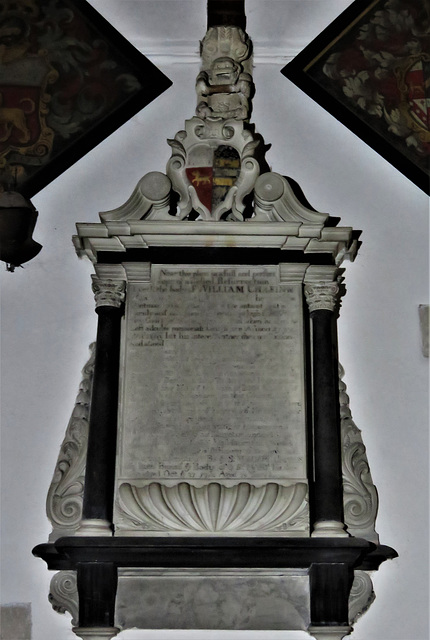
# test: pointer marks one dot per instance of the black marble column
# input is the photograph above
(327, 507)
(97, 586)
(101, 453)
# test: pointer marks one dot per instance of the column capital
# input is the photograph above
(108, 293)
(321, 295)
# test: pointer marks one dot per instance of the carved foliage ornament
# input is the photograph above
(321, 295)
(108, 293)
(213, 507)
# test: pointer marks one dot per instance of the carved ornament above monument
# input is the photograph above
(217, 173)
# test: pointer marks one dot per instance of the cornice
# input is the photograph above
(289, 236)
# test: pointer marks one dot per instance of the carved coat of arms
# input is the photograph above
(212, 165)
(25, 137)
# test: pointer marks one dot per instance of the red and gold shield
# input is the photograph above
(20, 126)
(213, 182)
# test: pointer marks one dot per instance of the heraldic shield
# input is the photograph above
(213, 168)
(414, 83)
(24, 133)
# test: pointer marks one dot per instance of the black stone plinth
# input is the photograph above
(330, 563)
(213, 552)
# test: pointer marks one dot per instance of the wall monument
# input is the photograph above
(211, 476)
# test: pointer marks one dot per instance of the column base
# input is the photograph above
(96, 633)
(329, 633)
(329, 529)
(94, 527)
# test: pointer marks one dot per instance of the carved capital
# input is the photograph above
(322, 295)
(108, 293)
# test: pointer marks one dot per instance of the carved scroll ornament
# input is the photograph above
(361, 595)
(360, 498)
(64, 501)
(63, 594)
(213, 508)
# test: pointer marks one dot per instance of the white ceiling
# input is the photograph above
(159, 28)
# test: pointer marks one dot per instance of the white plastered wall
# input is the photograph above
(48, 322)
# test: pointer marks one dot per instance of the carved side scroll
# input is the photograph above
(360, 497)
(63, 594)
(361, 595)
(213, 507)
(64, 502)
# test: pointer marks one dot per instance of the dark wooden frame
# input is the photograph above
(153, 82)
(300, 69)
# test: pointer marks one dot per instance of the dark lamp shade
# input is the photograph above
(16, 227)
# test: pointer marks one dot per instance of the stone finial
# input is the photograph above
(224, 84)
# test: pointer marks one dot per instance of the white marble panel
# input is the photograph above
(213, 383)
(212, 398)
(211, 599)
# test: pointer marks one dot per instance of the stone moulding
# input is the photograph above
(120, 236)
(213, 508)
(360, 497)
(65, 496)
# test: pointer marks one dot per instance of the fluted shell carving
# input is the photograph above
(361, 595)
(65, 496)
(360, 498)
(213, 507)
(63, 594)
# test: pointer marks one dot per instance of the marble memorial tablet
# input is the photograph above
(212, 379)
